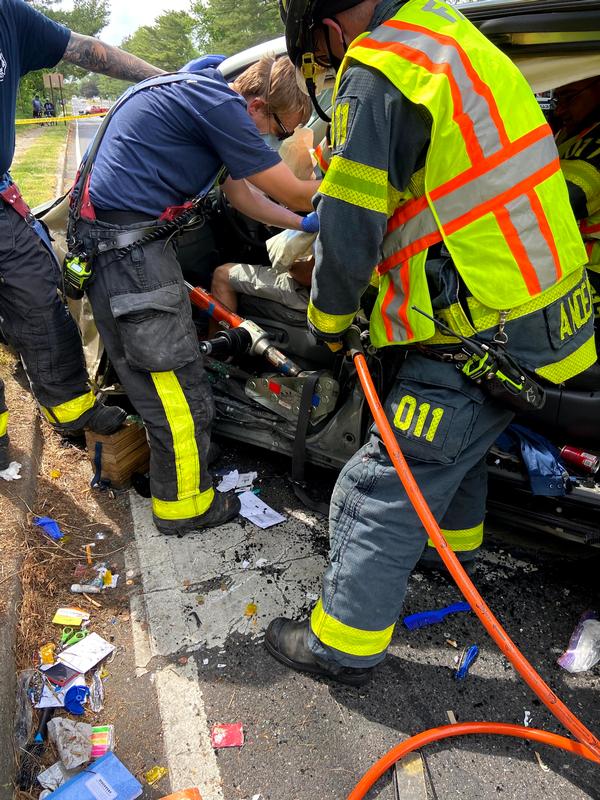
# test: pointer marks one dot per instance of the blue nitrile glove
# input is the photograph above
(310, 223)
(203, 62)
(424, 618)
(50, 527)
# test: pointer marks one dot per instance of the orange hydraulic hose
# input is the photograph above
(462, 729)
(591, 745)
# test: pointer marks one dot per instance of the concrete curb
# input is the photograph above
(29, 444)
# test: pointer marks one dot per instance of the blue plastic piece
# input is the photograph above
(467, 659)
(75, 698)
(50, 527)
(424, 618)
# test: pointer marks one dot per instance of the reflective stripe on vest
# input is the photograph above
(492, 176)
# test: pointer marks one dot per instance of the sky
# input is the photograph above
(128, 15)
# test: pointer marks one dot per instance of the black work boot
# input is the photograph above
(225, 507)
(4, 458)
(105, 420)
(287, 641)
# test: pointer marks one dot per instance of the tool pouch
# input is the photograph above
(499, 375)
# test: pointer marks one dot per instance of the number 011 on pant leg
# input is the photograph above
(433, 417)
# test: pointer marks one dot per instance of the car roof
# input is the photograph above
(553, 42)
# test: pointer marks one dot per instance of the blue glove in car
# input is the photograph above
(310, 223)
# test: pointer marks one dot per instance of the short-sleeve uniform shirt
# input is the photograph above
(28, 41)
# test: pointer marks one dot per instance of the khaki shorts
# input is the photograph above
(268, 283)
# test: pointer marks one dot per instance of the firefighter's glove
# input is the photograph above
(310, 223)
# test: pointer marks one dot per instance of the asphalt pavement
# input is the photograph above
(200, 624)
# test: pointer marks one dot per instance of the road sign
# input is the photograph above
(53, 80)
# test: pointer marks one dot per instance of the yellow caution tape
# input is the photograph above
(42, 120)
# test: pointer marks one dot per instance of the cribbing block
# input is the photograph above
(123, 453)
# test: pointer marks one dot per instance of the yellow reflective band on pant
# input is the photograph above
(183, 509)
(357, 184)
(353, 641)
(584, 175)
(329, 323)
(571, 365)
(3, 423)
(190, 501)
(463, 540)
(69, 411)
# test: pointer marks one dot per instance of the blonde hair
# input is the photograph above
(274, 80)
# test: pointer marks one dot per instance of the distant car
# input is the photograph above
(97, 110)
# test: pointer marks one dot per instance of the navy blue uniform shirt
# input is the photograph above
(28, 41)
(167, 143)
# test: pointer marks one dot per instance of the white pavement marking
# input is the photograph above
(204, 577)
(77, 144)
(196, 593)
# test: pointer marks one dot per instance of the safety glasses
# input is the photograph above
(284, 133)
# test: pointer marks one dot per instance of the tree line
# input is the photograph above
(173, 39)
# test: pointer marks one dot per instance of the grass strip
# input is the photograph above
(34, 168)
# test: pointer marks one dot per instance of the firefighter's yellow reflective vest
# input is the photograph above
(492, 189)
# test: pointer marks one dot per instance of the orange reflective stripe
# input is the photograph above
(389, 296)
(321, 161)
(480, 87)
(487, 207)
(589, 249)
(403, 311)
(545, 230)
(412, 207)
(408, 252)
(518, 250)
(420, 59)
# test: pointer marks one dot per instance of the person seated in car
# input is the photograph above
(577, 122)
(289, 287)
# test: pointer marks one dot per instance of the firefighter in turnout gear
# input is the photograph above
(445, 167)
(33, 318)
(134, 190)
(577, 117)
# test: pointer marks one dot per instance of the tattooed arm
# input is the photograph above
(93, 55)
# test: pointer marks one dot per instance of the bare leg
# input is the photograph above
(221, 290)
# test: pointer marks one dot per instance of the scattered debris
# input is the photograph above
(73, 740)
(409, 778)
(227, 735)
(54, 474)
(544, 766)
(70, 616)
(85, 654)
(75, 697)
(54, 776)
(251, 610)
(527, 719)
(102, 740)
(258, 512)
(47, 653)
(92, 783)
(424, 618)
(583, 651)
(12, 473)
(465, 662)
(97, 691)
(451, 717)
(452, 643)
(50, 527)
(155, 774)
(235, 481)
(78, 588)
(261, 562)
(187, 794)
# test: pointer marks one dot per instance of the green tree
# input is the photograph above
(228, 26)
(167, 44)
